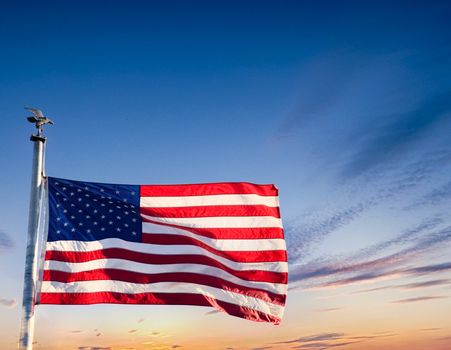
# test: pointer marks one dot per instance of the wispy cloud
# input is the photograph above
(5, 242)
(358, 268)
(331, 340)
(324, 345)
(416, 285)
(8, 303)
(392, 138)
(315, 337)
(418, 299)
(330, 309)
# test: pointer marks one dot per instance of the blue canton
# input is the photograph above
(87, 211)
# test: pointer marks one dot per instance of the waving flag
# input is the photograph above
(219, 245)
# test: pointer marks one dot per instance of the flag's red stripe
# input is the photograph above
(183, 277)
(212, 211)
(154, 259)
(207, 189)
(229, 233)
(240, 256)
(158, 299)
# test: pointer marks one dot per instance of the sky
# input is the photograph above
(345, 106)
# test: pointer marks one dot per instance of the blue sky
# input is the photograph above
(345, 106)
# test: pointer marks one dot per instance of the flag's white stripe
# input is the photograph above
(163, 287)
(220, 221)
(126, 265)
(208, 200)
(82, 246)
(219, 244)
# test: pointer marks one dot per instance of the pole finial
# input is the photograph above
(39, 120)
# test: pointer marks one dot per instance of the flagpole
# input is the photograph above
(30, 276)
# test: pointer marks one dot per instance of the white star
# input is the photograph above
(88, 205)
(58, 205)
(58, 231)
(95, 200)
(117, 192)
(133, 193)
(87, 195)
(126, 212)
(109, 197)
(126, 225)
(64, 188)
(57, 183)
(102, 229)
(88, 231)
(110, 202)
(95, 223)
(73, 230)
(95, 211)
(80, 224)
(58, 219)
(103, 216)
(78, 190)
(102, 204)
(125, 199)
(72, 205)
(102, 190)
(80, 199)
(65, 199)
(79, 210)
(65, 224)
(72, 193)
(88, 217)
(86, 188)
(118, 217)
(110, 211)
(118, 229)
(134, 220)
(72, 217)
(118, 206)
(110, 222)
(133, 233)
(65, 210)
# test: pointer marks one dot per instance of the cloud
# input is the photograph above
(132, 331)
(324, 345)
(390, 139)
(8, 303)
(417, 299)
(212, 312)
(331, 340)
(176, 346)
(76, 331)
(262, 348)
(315, 337)
(330, 309)
(425, 284)
(437, 196)
(308, 230)
(94, 348)
(5, 242)
(356, 268)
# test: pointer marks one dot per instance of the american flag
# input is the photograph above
(220, 245)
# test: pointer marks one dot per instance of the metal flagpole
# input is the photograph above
(29, 292)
